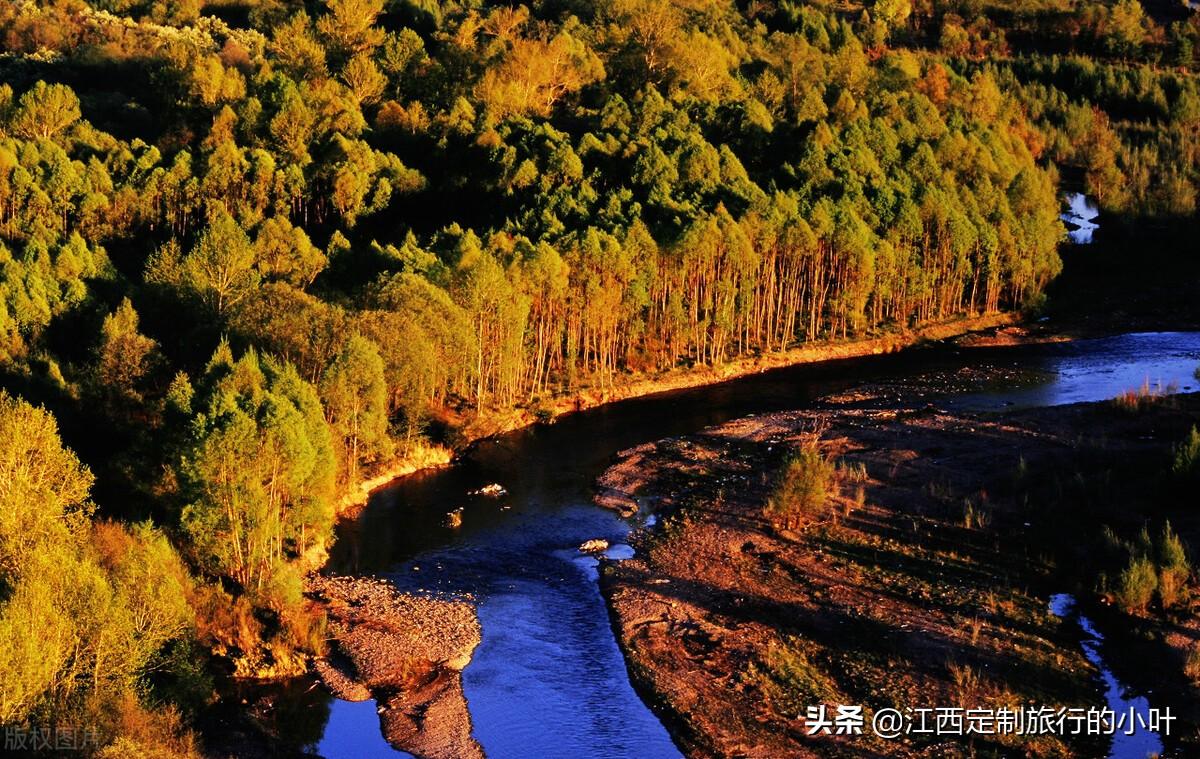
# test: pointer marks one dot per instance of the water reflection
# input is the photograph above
(1099, 369)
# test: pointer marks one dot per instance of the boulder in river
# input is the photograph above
(494, 490)
(595, 545)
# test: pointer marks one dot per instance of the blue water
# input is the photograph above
(547, 678)
(353, 732)
(1082, 213)
(1098, 369)
(1142, 743)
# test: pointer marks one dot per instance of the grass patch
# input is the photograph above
(790, 680)
(1142, 398)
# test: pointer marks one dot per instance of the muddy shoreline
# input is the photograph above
(922, 584)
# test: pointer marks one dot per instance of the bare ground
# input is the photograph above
(922, 583)
(407, 652)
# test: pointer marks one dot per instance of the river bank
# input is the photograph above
(546, 630)
(924, 581)
(475, 426)
(1086, 301)
(636, 386)
(981, 331)
(338, 672)
(406, 652)
(418, 457)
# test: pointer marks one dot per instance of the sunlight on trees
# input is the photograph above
(354, 393)
(45, 111)
(124, 355)
(258, 472)
(104, 599)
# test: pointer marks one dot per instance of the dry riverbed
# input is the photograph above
(407, 652)
(924, 583)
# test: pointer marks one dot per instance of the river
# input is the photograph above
(548, 678)
(1126, 744)
(1080, 215)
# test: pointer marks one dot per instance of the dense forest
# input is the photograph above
(252, 251)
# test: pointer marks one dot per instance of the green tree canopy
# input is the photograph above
(257, 472)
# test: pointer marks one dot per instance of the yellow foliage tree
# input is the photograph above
(535, 74)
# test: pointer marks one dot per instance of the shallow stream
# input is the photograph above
(1130, 740)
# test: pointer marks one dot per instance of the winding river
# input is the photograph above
(548, 678)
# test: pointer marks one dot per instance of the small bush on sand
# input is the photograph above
(1137, 584)
(1155, 568)
(790, 680)
(803, 487)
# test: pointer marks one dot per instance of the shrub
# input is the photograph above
(803, 486)
(975, 517)
(1171, 553)
(1191, 666)
(138, 731)
(1187, 456)
(1140, 399)
(1113, 545)
(1137, 584)
(1171, 588)
(1173, 568)
(853, 474)
(966, 685)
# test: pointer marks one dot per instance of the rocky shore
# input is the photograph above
(922, 583)
(407, 652)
